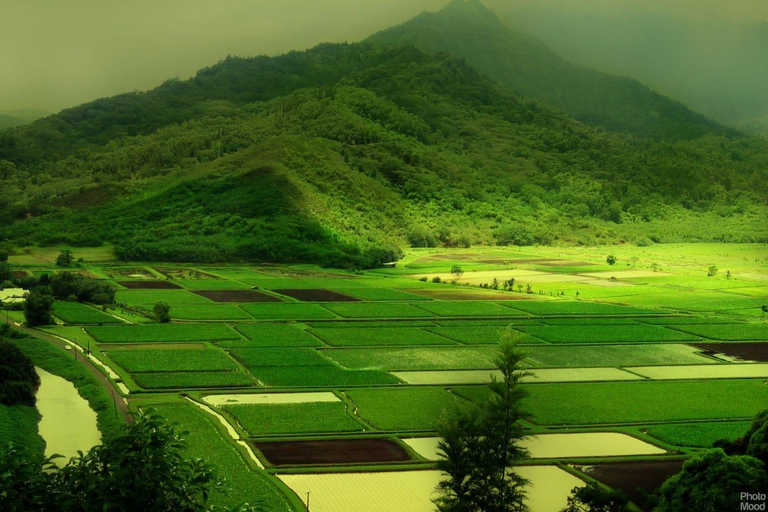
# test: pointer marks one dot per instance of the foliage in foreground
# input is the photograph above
(144, 468)
(713, 481)
(593, 498)
(479, 446)
(18, 379)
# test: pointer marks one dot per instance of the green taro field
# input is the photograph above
(650, 347)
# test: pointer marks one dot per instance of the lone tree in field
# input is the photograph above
(37, 308)
(457, 272)
(162, 312)
(65, 258)
(479, 446)
(611, 259)
(593, 498)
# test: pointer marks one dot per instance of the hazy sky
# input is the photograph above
(59, 53)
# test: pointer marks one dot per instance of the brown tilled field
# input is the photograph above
(342, 451)
(745, 351)
(236, 296)
(316, 295)
(629, 476)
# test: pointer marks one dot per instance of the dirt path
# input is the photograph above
(122, 406)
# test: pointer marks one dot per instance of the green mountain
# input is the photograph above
(20, 116)
(10, 121)
(714, 63)
(467, 29)
(343, 153)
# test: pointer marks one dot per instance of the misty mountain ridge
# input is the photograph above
(716, 65)
(342, 153)
(467, 29)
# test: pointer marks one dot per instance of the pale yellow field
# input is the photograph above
(625, 274)
(541, 375)
(412, 491)
(561, 446)
(271, 398)
(720, 371)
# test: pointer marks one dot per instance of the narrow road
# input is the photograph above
(122, 407)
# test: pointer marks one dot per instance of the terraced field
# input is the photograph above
(341, 361)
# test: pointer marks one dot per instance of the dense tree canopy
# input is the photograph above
(144, 468)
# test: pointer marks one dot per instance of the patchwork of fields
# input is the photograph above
(616, 353)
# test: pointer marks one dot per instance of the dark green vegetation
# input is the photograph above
(469, 30)
(342, 153)
(143, 468)
(245, 483)
(77, 313)
(18, 379)
(294, 418)
(479, 446)
(714, 481)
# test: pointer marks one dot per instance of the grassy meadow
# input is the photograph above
(615, 348)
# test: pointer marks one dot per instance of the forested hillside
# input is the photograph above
(343, 153)
(467, 29)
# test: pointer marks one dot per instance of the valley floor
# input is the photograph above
(305, 384)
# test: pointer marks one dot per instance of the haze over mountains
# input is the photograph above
(713, 56)
(342, 153)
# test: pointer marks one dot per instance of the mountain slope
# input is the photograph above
(10, 121)
(467, 29)
(343, 172)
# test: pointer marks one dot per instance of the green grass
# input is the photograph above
(272, 419)
(614, 355)
(285, 283)
(320, 376)
(468, 308)
(377, 310)
(560, 307)
(700, 435)
(162, 332)
(379, 336)
(288, 357)
(211, 284)
(286, 311)
(589, 321)
(729, 332)
(184, 380)
(152, 297)
(18, 426)
(606, 333)
(377, 293)
(427, 358)
(638, 402)
(481, 334)
(172, 360)
(76, 313)
(695, 300)
(272, 335)
(404, 408)
(205, 441)
(691, 320)
(71, 333)
(209, 312)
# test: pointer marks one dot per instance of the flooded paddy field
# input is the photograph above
(316, 370)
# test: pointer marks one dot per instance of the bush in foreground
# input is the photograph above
(144, 468)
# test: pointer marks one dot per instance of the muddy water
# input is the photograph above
(68, 424)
